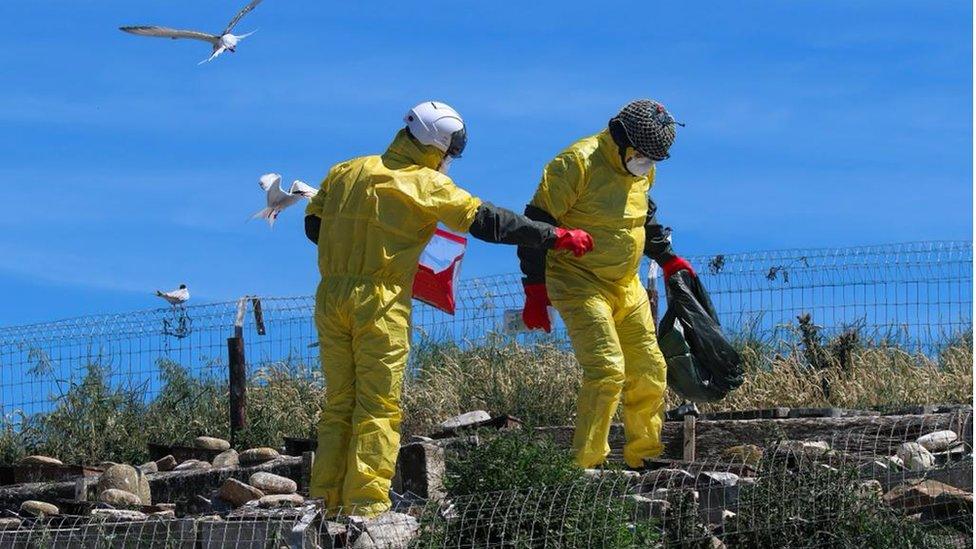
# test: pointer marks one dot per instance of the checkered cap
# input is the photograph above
(650, 128)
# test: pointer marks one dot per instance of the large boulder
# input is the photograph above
(193, 465)
(914, 497)
(227, 458)
(464, 420)
(237, 493)
(166, 463)
(211, 443)
(39, 508)
(256, 456)
(277, 501)
(386, 531)
(119, 498)
(938, 441)
(915, 456)
(270, 483)
(39, 460)
(749, 454)
(127, 478)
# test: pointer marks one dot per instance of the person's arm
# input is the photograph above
(313, 212)
(502, 226)
(313, 224)
(532, 261)
(462, 212)
(657, 244)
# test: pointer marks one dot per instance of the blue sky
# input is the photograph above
(127, 167)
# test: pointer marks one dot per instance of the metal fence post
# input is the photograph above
(237, 373)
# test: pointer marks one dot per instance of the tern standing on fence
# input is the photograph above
(371, 220)
(600, 184)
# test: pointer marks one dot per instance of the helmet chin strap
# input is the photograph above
(619, 135)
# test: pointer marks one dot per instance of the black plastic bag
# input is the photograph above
(702, 365)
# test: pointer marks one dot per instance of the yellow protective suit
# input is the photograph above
(378, 213)
(601, 300)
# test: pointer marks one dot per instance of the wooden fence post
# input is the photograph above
(238, 385)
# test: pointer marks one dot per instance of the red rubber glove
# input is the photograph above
(577, 241)
(536, 311)
(674, 265)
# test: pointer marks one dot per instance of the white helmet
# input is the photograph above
(437, 124)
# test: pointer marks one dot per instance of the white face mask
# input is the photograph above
(640, 166)
(445, 164)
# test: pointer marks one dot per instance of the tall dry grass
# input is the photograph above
(539, 383)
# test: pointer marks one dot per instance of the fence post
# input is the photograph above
(237, 373)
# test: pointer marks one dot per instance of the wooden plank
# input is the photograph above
(238, 385)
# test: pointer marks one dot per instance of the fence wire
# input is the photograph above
(915, 295)
(882, 481)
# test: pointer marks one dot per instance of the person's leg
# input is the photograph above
(589, 322)
(335, 422)
(381, 345)
(645, 378)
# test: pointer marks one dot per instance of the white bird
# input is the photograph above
(225, 41)
(278, 198)
(175, 297)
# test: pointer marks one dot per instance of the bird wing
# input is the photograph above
(300, 188)
(166, 32)
(268, 180)
(216, 53)
(244, 11)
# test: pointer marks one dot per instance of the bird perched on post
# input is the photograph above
(175, 297)
(278, 198)
(225, 41)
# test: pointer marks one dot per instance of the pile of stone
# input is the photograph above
(263, 490)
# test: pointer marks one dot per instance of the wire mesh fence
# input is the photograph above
(899, 481)
(915, 295)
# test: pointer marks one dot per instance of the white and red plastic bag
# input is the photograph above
(439, 269)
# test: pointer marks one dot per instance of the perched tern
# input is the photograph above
(178, 296)
(225, 41)
(278, 198)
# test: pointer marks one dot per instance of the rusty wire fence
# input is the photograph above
(916, 295)
(883, 481)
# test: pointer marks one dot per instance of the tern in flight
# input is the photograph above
(225, 41)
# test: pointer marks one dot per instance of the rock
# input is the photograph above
(810, 448)
(464, 420)
(255, 456)
(281, 500)
(665, 478)
(192, 464)
(119, 498)
(749, 454)
(727, 515)
(950, 506)
(669, 494)
(937, 441)
(105, 465)
(715, 543)
(39, 508)
(39, 460)
(718, 478)
(163, 515)
(914, 497)
(227, 458)
(118, 514)
(166, 463)
(420, 470)
(270, 483)
(211, 443)
(646, 508)
(159, 507)
(237, 493)
(149, 468)
(956, 452)
(387, 530)
(915, 456)
(11, 523)
(127, 478)
(894, 463)
(611, 475)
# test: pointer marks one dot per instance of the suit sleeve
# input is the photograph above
(657, 242)
(313, 212)
(502, 226)
(532, 261)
